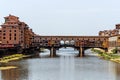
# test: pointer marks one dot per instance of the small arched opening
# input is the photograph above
(67, 42)
(72, 42)
(62, 42)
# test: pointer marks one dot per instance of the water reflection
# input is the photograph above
(117, 71)
(20, 73)
(12, 74)
(66, 67)
(0, 76)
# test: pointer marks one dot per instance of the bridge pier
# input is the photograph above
(52, 52)
(81, 52)
(106, 49)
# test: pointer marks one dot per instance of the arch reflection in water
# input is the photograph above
(115, 70)
(68, 51)
(67, 67)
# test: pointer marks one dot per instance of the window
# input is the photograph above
(14, 30)
(118, 37)
(10, 38)
(3, 37)
(4, 27)
(4, 34)
(10, 31)
(10, 34)
(4, 31)
(14, 38)
(14, 34)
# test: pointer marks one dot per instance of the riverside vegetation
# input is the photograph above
(113, 56)
(7, 59)
(11, 58)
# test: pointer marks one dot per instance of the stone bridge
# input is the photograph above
(81, 43)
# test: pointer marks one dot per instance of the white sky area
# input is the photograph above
(64, 17)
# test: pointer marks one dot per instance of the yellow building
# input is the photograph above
(114, 42)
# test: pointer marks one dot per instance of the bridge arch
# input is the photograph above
(62, 42)
(72, 42)
(67, 42)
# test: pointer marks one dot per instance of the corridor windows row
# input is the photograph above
(10, 38)
(9, 34)
(11, 31)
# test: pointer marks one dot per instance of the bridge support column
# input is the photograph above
(52, 52)
(81, 52)
(106, 49)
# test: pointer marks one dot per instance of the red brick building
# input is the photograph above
(15, 32)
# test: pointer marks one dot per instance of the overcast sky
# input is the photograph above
(64, 17)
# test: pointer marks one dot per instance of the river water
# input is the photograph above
(65, 67)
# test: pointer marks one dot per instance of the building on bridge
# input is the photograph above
(114, 37)
(13, 32)
(113, 32)
(114, 43)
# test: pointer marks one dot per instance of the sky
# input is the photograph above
(64, 17)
